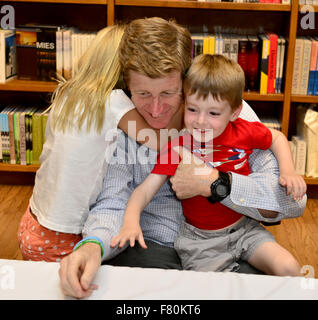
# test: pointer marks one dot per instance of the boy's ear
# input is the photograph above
(236, 113)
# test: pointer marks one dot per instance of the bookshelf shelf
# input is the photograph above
(205, 5)
(304, 99)
(311, 181)
(254, 96)
(64, 1)
(6, 167)
(28, 86)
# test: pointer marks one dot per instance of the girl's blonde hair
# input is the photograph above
(217, 75)
(82, 99)
(154, 47)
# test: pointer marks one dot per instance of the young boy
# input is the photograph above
(214, 237)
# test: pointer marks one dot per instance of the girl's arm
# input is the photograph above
(294, 183)
(139, 199)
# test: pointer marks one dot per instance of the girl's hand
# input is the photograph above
(130, 234)
(295, 185)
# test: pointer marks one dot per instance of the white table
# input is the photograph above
(40, 280)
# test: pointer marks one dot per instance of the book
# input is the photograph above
(299, 46)
(36, 44)
(301, 152)
(8, 65)
(46, 51)
(37, 142)
(280, 64)
(304, 74)
(22, 138)
(26, 38)
(311, 138)
(242, 55)
(5, 137)
(11, 135)
(273, 38)
(252, 63)
(67, 53)
(312, 67)
(234, 47)
(16, 129)
(264, 63)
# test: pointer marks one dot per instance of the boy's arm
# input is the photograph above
(139, 199)
(280, 148)
(293, 182)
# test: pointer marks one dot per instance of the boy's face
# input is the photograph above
(207, 119)
(157, 100)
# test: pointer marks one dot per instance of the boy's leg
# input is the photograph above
(273, 259)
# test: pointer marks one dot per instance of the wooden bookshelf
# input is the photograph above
(282, 17)
(28, 86)
(205, 5)
(90, 2)
(6, 167)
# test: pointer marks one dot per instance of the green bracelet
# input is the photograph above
(90, 240)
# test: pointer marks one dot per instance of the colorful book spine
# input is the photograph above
(312, 67)
(264, 64)
(273, 38)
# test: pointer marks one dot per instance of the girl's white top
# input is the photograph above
(73, 165)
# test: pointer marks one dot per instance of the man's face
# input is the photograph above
(157, 100)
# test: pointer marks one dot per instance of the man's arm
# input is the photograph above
(106, 215)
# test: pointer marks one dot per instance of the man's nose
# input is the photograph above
(156, 107)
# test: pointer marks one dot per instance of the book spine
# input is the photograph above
(272, 63)
(279, 52)
(2, 57)
(22, 139)
(16, 118)
(36, 137)
(303, 87)
(252, 64)
(312, 68)
(11, 137)
(264, 65)
(297, 65)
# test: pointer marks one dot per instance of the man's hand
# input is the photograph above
(192, 177)
(78, 270)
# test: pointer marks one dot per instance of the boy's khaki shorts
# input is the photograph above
(219, 250)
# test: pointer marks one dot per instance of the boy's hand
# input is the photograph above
(130, 234)
(294, 184)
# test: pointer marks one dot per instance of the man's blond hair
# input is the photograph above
(217, 75)
(154, 47)
(82, 99)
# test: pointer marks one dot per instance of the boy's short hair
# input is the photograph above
(217, 75)
(155, 47)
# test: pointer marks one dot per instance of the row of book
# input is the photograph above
(305, 72)
(261, 57)
(250, 1)
(40, 52)
(304, 144)
(313, 2)
(22, 134)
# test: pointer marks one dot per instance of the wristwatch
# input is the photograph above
(220, 188)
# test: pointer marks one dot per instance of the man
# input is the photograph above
(155, 55)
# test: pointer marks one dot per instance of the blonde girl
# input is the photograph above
(74, 157)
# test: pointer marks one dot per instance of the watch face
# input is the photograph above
(221, 190)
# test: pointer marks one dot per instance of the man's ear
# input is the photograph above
(236, 113)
